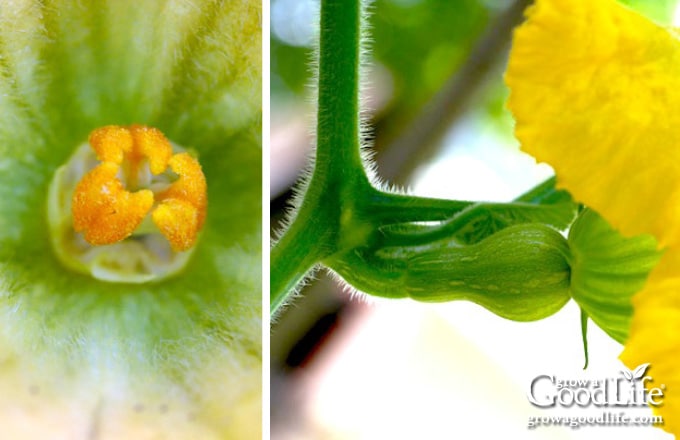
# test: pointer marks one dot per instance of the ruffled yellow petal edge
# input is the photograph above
(655, 335)
(595, 92)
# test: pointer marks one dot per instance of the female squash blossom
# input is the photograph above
(129, 219)
(595, 90)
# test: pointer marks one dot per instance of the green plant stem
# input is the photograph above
(338, 152)
(328, 203)
(503, 214)
(390, 208)
(340, 210)
(584, 336)
(545, 193)
(291, 259)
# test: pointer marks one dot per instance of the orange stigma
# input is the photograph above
(106, 209)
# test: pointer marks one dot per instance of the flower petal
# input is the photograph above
(655, 335)
(595, 89)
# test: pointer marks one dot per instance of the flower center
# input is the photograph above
(127, 206)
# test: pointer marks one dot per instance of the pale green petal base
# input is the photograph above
(607, 269)
(191, 69)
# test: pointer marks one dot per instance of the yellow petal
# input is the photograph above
(595, 91)
(655, 335)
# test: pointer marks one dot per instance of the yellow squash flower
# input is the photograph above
(595, 91)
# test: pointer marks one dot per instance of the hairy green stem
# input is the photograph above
(341, 212)
(292, 258)
(399, 208)
(338, 175)
(338, 158)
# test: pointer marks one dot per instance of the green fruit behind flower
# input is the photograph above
(190, 344)
(519, 273)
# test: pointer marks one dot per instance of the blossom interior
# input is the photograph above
(128, 206)
(99, 351)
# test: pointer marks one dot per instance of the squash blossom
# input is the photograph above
(130, 219)
(595, 89)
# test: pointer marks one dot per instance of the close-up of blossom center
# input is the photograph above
(127, 206)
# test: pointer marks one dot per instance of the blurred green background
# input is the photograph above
(416, 44)
(416, 48)
(421, 42)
